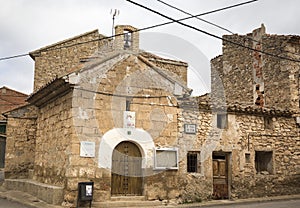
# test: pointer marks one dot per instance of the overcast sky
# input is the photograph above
(26, 25)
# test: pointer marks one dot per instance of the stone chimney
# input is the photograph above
(259, 32)
(128, 40)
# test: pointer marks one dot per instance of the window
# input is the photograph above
(247, 158)
(2, 129)
(128, 102)
(166, 158)
(298, 121)
(268, 122)
(222, 121)
(193, 162)
(127, 39)
(263, 162)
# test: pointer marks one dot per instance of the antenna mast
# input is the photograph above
(114, 13)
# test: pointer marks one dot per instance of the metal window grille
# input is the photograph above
(192, 162)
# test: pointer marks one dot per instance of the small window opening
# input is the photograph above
(219, 157)
(128, 103)
(263, 162)
(268, 123)
(193, 162)
(222, 121)
(247, 158)
(127, 39)
(257, 87)
(2, 129)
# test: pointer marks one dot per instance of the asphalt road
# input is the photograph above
(273, 204)
(4, 203)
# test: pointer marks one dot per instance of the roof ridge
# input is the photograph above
(63, 41)
(7, 88)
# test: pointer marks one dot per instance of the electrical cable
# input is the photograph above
(203, 20)
(227, 30)
(122, 95)
(213, 35)
(138, 30)
(12, 57)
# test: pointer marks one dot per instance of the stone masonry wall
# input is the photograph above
(98, 106)
(53, 138)
(156, 114)
(20, 142)
(236, 62)
(196, 186)
(245, 134)
(255, 78)
(283, 140)
(58, 60)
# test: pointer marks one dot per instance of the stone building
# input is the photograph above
(261, 90)
(105, 111)
(9, 99)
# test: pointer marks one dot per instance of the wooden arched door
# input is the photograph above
(127, 177)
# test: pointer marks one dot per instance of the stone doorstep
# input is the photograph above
(127, 201)
(132, 203)
(48, 193)
(128, 198)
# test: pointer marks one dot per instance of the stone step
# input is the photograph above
(48, 193)
(128, 198)
(139, 204)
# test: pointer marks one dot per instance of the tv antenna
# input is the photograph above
(114, 13)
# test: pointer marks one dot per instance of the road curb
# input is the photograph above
(239, 201)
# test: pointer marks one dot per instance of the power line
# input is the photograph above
(203, 20)
(122, 95)
(166, 23)
(213, 35)
(12, 57)
(227, 30)
(138, 30)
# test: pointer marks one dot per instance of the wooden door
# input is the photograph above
(127, 178)
(220, 177)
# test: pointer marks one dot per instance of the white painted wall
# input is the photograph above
(114, 136)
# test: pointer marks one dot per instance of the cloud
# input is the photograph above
(26, 25)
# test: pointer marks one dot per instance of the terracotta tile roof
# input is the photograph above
(10, 99)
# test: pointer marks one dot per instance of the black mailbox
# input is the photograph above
(85, 192)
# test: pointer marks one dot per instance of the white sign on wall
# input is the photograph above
(190, 128)
(87, 149)
(129, 119)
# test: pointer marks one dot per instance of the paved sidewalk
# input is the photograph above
(24, 198)
(34, 202)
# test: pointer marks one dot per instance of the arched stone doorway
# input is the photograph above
(126, 171)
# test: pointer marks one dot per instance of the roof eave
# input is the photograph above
(50, 92)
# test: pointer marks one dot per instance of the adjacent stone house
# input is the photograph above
(105, 111)
(261, 90)
(9, 99)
